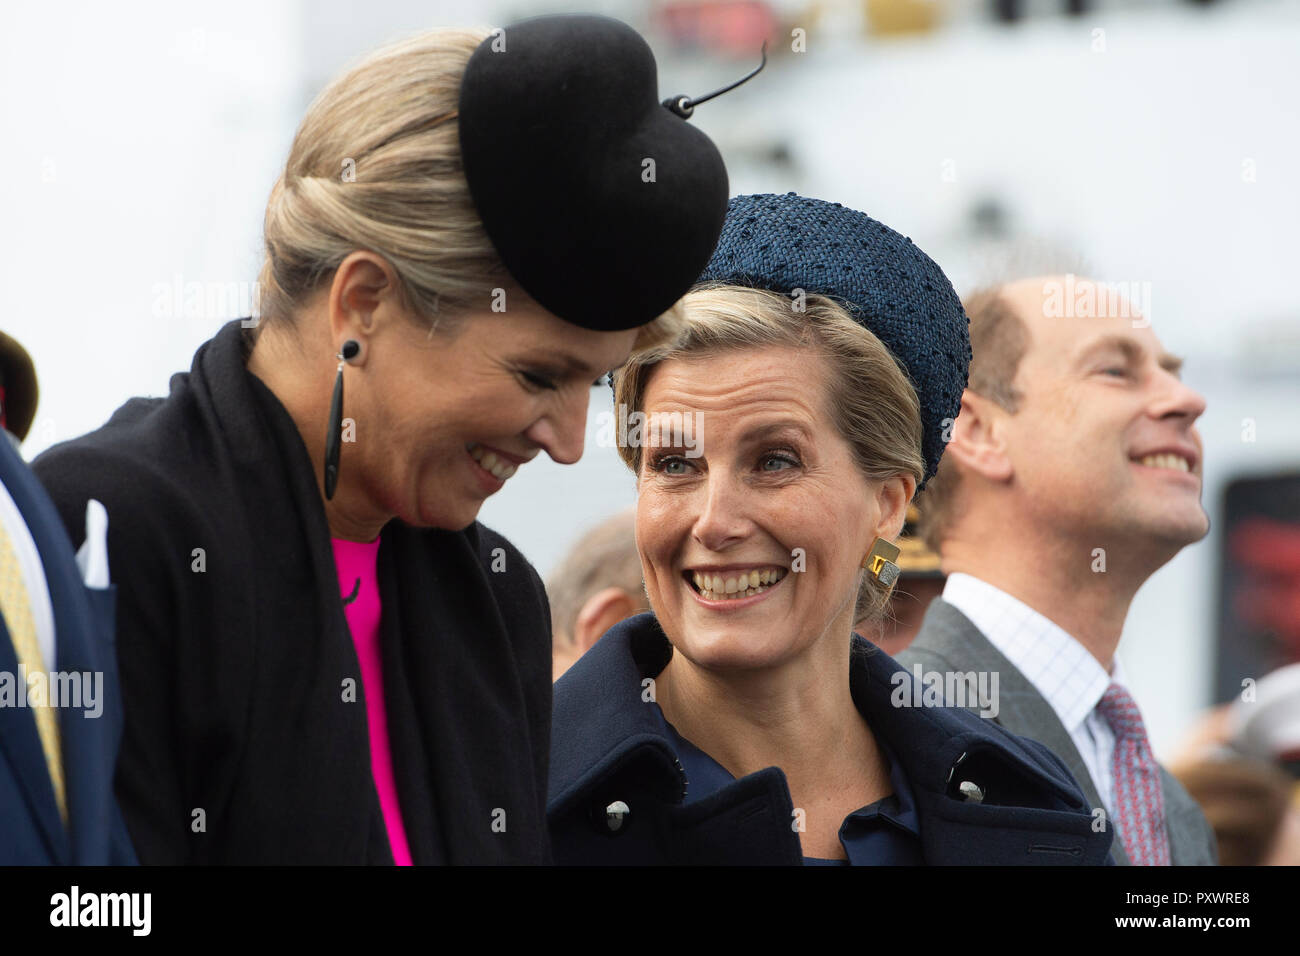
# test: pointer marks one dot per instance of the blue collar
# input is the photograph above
(864, 842)
(607, 694)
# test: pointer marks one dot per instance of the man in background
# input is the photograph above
(60, 715)
(597, 585)
(1072, 476)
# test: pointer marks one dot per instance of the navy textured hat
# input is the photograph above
(603, 204)
(886, 283)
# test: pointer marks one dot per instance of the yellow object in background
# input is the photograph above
(893, 17)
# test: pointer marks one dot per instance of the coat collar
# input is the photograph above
(604, 694)
(604, 730)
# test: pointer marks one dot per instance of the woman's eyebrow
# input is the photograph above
(779, 427)
(567, 363)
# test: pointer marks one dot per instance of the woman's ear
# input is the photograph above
(363, 285)
(892, 499)
(977, 443)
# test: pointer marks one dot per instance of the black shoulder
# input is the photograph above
(146, 499)
(512, 576)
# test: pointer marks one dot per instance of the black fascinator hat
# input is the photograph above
(603, 203)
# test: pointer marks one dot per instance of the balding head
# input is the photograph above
(597, 585)
(1074, 417)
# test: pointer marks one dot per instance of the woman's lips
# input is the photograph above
(731, 602)
(495, 463)
(489, 482)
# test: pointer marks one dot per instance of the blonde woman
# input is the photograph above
(742, 721)
(324, 657)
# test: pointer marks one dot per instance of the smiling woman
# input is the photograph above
(755, 342)
(742, 721)
(325, 658)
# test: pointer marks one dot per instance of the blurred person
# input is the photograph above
(1265, 723)
(325, 658)
(1262, 723)
(920, 581)
(1246, 772)
(742, 721)
(597, 585)
(60, 713)
(1072, 476)
(1252, 806)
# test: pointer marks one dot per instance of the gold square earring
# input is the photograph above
(880, 561)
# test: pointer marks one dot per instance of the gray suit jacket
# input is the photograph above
(948, 641)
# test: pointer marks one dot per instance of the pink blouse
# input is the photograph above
(357, 564)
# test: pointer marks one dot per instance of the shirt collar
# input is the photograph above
(1070, 679)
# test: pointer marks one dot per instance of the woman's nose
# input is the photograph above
(721, 521)
(561, 434)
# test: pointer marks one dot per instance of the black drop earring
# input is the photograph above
(334, 437)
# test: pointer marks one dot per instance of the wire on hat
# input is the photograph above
(684, 106)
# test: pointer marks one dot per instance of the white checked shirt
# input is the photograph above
(1060, 668)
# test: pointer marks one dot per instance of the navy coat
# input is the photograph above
(31, 831)
(608, 746)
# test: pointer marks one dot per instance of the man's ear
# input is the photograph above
(892, 499)
(978, 441)
(602, 611)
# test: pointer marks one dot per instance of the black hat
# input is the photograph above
(886, 283)
(603, 204)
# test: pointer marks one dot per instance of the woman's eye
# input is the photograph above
(1115, 371)
(669, 465)
(538, 381)
(778, 461)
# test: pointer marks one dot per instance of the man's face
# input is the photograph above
(1103, 445)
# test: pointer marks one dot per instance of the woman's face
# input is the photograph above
(773, 494)
(443, 421)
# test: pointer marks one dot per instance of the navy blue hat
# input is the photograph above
(886, 283)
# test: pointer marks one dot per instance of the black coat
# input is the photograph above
(234, 650)
(608, 747)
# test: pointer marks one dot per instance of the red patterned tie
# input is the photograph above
(1139, 802)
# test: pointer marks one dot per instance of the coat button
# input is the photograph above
(973, 793)
(616, 816)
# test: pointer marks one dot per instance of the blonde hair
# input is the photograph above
(376, 165)
(869, 397)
